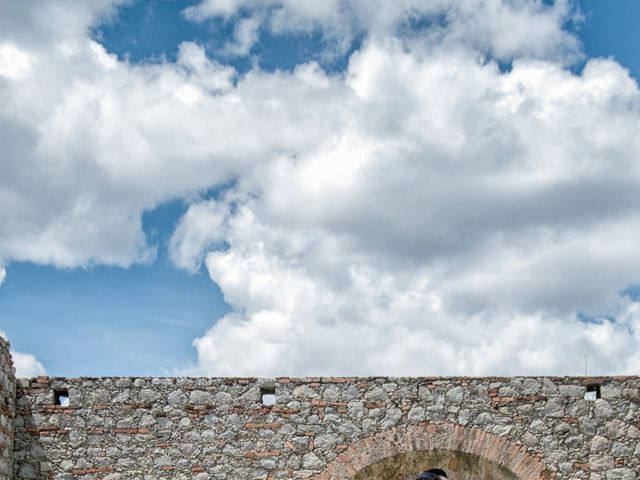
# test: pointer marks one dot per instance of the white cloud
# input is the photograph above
(503, 29)
(201, 227)
(423, 212)
(307, 303)
(245, 36)
(101, 141)
(3, 275)
(26, 365)
(14, 64)
(459, 225)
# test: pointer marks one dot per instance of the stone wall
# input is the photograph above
(324, 428)
(7, 410)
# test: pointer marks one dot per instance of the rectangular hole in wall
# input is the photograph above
(592, 393)
(61, 397)
(268, 396)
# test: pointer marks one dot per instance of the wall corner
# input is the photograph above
(7, 410)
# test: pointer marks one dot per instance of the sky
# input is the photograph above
(293, 187)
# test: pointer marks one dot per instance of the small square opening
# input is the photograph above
(268, 396)
(592, 393)
(61, 397)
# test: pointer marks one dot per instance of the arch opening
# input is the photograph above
(458, 465)
(469, 453)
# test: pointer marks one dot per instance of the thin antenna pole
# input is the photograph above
(585, 365)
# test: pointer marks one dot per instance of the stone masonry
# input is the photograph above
(320, 428)
(7, 411)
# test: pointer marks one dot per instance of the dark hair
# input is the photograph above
(433, 474)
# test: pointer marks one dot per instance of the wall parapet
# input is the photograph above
(220, 428)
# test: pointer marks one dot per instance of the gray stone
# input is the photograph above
(599, 444)
(609, 392)
(177, 397)
(416, 414)
(27, 471)
(529, 439)
(588, 425)
(223, 398)
(572, 391)
(530, 386)
(620, 450)
(603, 409)
(162, 460)
(600, 462)
(200, 397)
(633, 432)
(305, 392)
(554, 408)
(392, 418)
(376, 394)
(455, 395)
(621, 474)
(483, 418)
(312, 462)
(326, 441)
(615, 428)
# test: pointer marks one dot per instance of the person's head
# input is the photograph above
(433, 474)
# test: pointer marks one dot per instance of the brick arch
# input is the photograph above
(426, 437)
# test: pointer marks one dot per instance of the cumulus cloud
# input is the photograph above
(91, 142)
(26, 365)
(503, 29)
(422, 212)
(467, 221)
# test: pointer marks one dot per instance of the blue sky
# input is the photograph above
(609, 31)
(152, 30)
(110, 320)
(87, 317)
